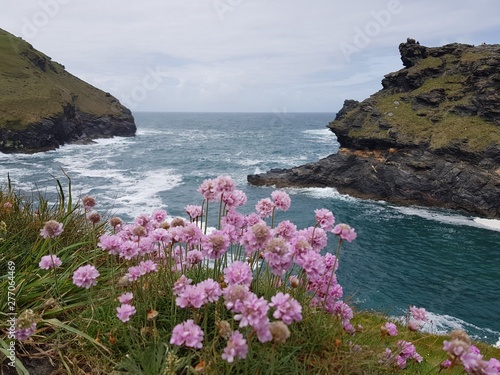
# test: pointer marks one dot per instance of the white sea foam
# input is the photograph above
(139, 193)
(450, 218)
(322, 193)
(444, 324)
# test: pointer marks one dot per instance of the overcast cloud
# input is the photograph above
(241, 55)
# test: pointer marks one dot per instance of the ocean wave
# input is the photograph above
(442, 324)
(453, 219)
(322, 193)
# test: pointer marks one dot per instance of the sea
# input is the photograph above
(445, 261)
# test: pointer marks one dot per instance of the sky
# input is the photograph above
(241, 55)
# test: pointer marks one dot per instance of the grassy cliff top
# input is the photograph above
(33, 87)
(445, 97)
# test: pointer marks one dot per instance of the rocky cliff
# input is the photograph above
(430, 136)
(42, 106)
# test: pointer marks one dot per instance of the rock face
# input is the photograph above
(42, 106)
(431, 136)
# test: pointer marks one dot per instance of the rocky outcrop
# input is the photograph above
(430, 137)
(42, 106)
(71, 126)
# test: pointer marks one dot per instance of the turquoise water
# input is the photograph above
(441, 260)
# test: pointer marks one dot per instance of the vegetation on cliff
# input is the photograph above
(35, 90)
(165, 296)
(445, 98)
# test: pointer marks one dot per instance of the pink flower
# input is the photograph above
(345, 232)
(264, 207)
(135, 272)
(215, 244)
(207, 189)
(235, 198)
(194, 257)
(236, 347)
(325, 218)
(88, 202)
(49, 261)
(159, 216)
(389, 329)
(317, 237)
(238, 273)
(211, 289)
(255, 237)
(278, 255)
(234, 294)
(224, 184)
(286, 229)
(187, 333)
(51, 229)
(181, 284)
(418, 313)
(191, 234)
(129, 250)
(191, 296)
(148, 266)
(85, 276)
(110, 243)
(414, 325)
(93, 216)
(23, 334)
(281, 200)
(126, 297)
(125, 311)
(286, 308)
(193, 211)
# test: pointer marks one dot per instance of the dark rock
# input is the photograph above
(402, 144)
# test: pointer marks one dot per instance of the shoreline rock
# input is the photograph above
(430, 137)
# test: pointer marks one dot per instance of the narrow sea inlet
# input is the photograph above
(441, 260)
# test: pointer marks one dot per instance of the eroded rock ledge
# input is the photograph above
(430, 137)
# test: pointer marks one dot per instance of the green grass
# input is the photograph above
(79, 330)
(33, 87)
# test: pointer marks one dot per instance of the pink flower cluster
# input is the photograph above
(49, 261)
(85, 276)
(51, 229)
(405, 351)
(418, 316)
(461, 352)
(151, 244)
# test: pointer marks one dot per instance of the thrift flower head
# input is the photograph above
(236, 347)
(238, 273)
(207, 189)
(345, 232)
(115, 222)
(188, 334)
(85, 276)
(25, 325)
(418, 313)
(389, 329)
(126, 297)
(211, 289)
(325, 218)
(235, 198)
(286, 308)
(281, 200)
(215, 244)
(125, 311)
(224, 184)
(88, 202)
(193, 211)
(51, 229)
(49, 261)
(93, 217)
(23, 334)
(264, 207)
